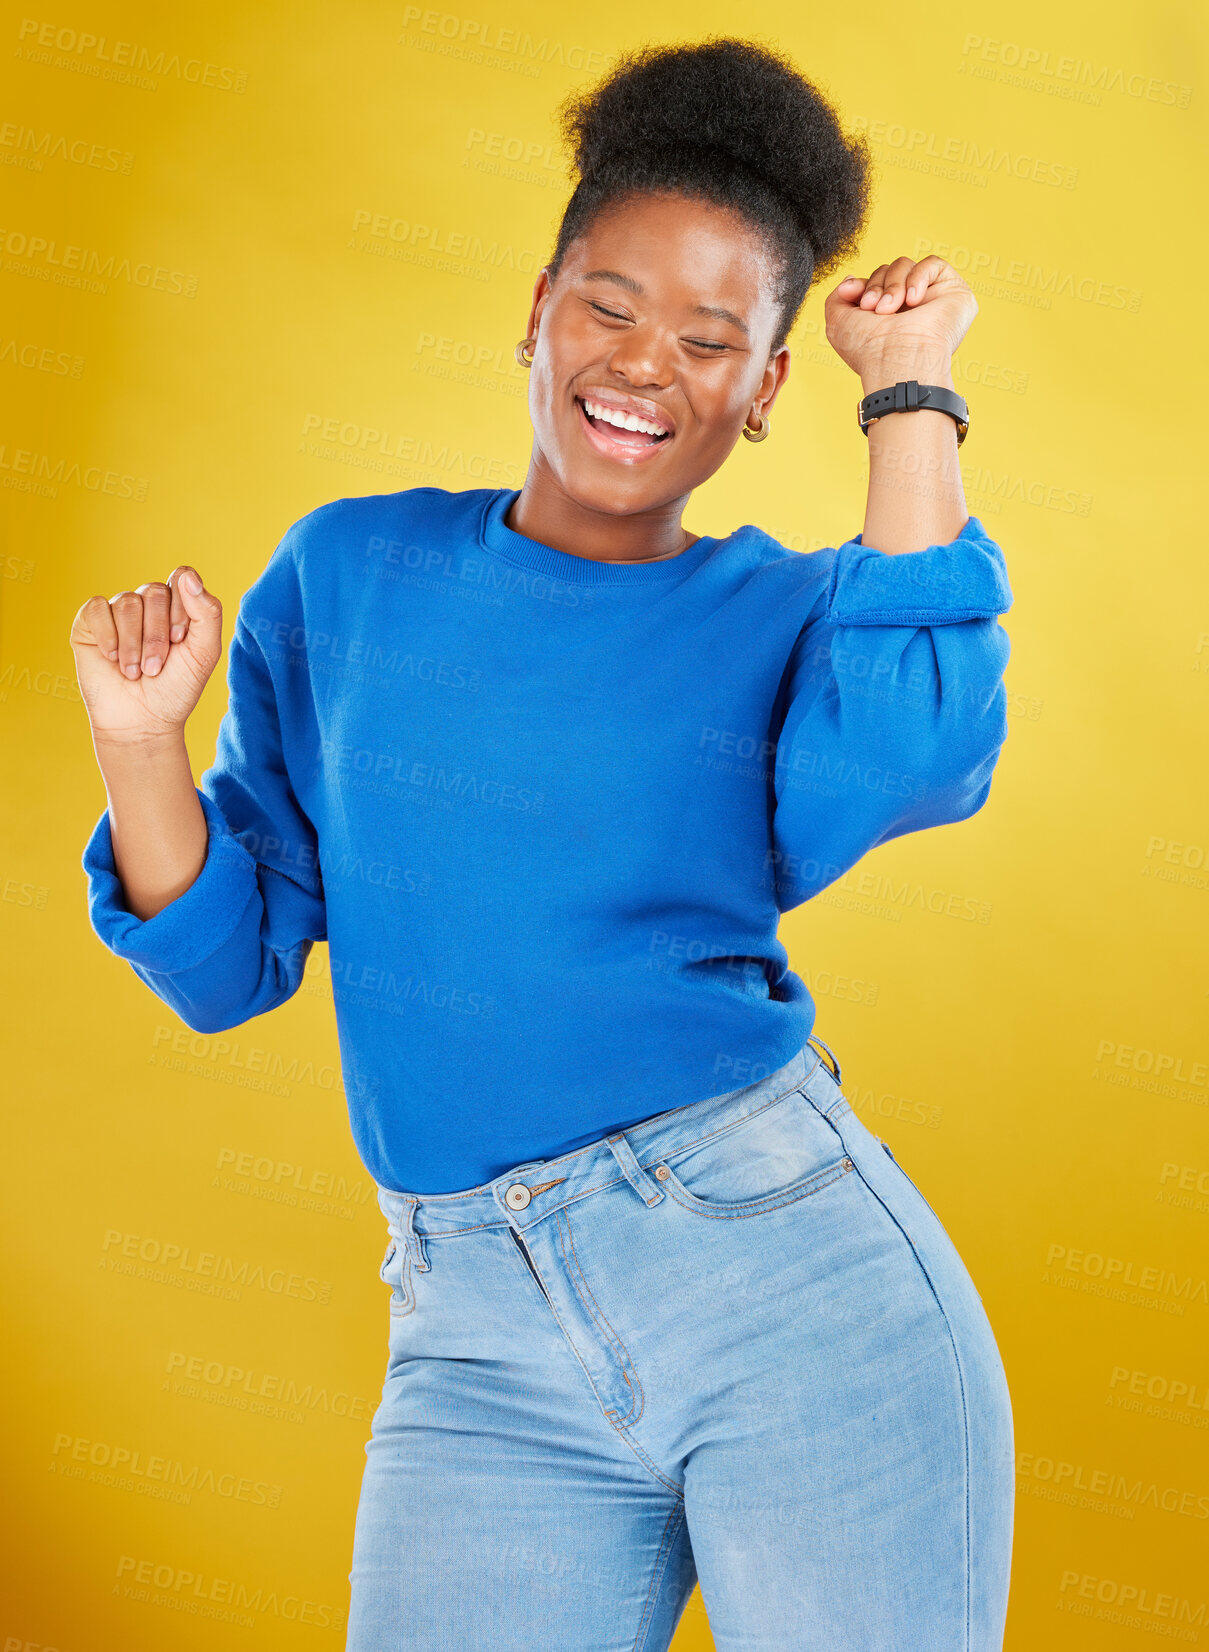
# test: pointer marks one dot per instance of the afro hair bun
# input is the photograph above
(734, 122)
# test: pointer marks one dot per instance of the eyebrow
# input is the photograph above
(629, 283)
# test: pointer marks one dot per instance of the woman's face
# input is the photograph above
(664, 309)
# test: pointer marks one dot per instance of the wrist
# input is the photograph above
(139, 751)
(882, 374)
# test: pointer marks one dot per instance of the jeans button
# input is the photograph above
(517, 1196)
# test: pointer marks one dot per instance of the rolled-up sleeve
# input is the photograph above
(235, 943)
(895, 706)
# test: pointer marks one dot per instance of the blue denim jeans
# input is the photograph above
(732, 1344)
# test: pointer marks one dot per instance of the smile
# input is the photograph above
(630, 441)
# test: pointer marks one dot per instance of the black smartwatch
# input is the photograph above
(908, 395)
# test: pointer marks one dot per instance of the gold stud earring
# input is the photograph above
(525, 361)
(759, 433)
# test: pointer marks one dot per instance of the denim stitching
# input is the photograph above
(907, 1178)
(473, 1192)
(770, 1201)
(608, 1418)
(961, 1385)
(722, 1129)
(771, 1102)
(670, 1530)
(645, 1460)
(402, 1301)
(611, 1419)
(478, 1227)
(837, 1108)
(639, 1398)
(577, 1152)
(635, 1387)
(599, 1187)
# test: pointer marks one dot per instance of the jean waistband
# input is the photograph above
(529, 1192)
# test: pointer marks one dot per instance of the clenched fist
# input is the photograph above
(143, 657)
(903, 321)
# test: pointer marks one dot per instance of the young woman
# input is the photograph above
(545, 768)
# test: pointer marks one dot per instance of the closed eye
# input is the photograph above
(698, 343)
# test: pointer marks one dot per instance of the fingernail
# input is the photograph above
(111, 653)
(131, 670)
(151, 666)
(176, 633)
(912, 292)
(192, 583)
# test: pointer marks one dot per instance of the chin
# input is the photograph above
(612, 494)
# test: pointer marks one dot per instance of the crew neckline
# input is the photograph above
(496, 536)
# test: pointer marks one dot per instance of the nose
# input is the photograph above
(641, 358)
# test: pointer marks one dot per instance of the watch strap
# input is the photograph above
(908, 395)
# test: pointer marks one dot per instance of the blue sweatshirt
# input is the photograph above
(547, 811)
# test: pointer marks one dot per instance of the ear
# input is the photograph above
(775, 375)
(541, 292)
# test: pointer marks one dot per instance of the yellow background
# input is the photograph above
(1019, 1001)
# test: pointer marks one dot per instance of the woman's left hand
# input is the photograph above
(905, 319)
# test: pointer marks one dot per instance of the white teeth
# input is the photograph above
(623, 421)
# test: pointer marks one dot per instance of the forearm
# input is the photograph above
(158, 830)
(916, 498)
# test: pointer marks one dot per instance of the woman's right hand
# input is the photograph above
(143, 657)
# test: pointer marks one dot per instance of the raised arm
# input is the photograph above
(895, 708)
(904, 322)
(215, 928)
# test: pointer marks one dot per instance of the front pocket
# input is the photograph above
(755, 1207)
(785, 1151)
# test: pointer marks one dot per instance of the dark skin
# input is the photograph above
(644, 336)
(143, 656)
(706, 372)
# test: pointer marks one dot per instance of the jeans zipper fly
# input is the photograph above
(524, 1250)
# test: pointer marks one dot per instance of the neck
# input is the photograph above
(544, 511)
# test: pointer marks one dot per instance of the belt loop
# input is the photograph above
(413, 1240)
(644, 1185)
(834, 1064)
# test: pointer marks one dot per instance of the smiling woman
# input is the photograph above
(682, 259)
(610, 754)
